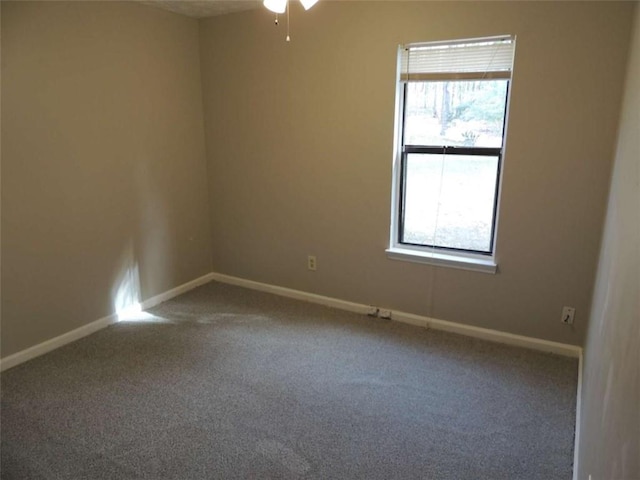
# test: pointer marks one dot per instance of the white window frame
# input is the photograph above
(486, 263)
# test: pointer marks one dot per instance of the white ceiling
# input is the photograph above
(203, 8)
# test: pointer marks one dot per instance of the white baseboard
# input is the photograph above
(174, 292)
(468, 330)
(576, 440)
(290, 293)
(57, 342)
(78, 333)
(421, 321)
(490, 334)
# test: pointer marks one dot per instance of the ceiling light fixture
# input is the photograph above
(307, 4)
(281, 6)
(276, 6)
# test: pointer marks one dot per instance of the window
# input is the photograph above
(452, 102)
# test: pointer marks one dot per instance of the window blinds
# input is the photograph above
(478, 59)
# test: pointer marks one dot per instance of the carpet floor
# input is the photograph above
(228, 383)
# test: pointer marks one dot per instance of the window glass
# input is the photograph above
(455, 113)
(449, 201)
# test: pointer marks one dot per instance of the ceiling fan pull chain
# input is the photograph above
(288, 10)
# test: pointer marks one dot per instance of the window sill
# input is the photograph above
(443, 260)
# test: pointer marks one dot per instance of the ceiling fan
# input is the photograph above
(280, 6)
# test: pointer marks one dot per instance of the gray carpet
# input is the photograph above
(228, 383)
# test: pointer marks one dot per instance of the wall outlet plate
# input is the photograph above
(312, 262)
(568, 313)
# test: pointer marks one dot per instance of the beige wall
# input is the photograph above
(610, 426)
(104, 174)
(104, 188)
(299, 141)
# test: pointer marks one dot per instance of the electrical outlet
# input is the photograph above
(567, 315)
(311, 262)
